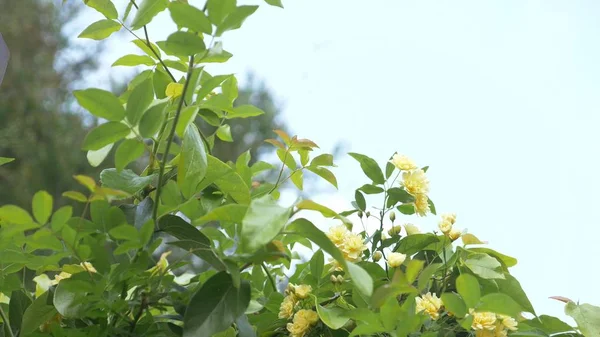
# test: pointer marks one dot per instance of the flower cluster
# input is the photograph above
(414, 182)
(303, 319)
(487, 324)
(430, 304)
(446, 225)
(350, 244)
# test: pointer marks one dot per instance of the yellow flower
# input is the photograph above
(174, 90)
(415, 182)
(421, 204)
(89, 267)
(353, 247)
(303, 320)
(403, 162)
(508, 322)
(377, 256)
(395, 259)
(63, 275)
(338, 234)
(454, 234)
(411, 229)
(445, 226)
(302, 291)
(450, 217)
(483, 320)
(286, 310)
(429, 303)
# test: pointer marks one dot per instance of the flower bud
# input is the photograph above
(333, 279)
(377, 256)
(392, 216)
(368, 214)
(360, 214)
(454, 234)
(396, 259)
(340, 279)
(395, 230)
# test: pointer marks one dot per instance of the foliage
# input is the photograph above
(67, 275)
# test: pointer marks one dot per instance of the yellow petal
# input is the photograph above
(174, 90)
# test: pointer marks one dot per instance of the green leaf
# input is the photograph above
(407, 209)
(549, 324)
(230, 213)
(360, 200)
(183, 44)
(245, 111)
(193, 162)
(586, 316)
(426, 274)
(68, 297)
(60, 217)
(227, 180)
(191, 239)
(416, 242)
(104, 135)
(124, 232)
(507, 260)
(369, 167)
(42, 206)
(160, 81)
(323, 160)
(371, 189)
(511, 287)
(106, 7)
(361, 279)
(454, 304)
(128, 151)
(215, 306)
(190, 17)
(275, 3)
(484, 266)
(187, 117)
(100, 30)
(4, 160)
(139, 100)
(235, 19)
(325, 211)
(96, 157)
(147, 10)
(390, 290)
(297, 179)
(132, 60)
(468, 287)
(100, 103)
(224, 133)
(396, 195)
(263, 221)
(325, 174)
(74, 195)
(19, 302)
(16, 215)
(316, 265)
(219, 9)
(500, 304)
(413, 269)
(152, 120)
(39, 312)
(125, 180)
(333, 317)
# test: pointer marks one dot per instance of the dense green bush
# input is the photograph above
(99, 273)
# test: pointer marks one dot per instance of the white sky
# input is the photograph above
(498, 97)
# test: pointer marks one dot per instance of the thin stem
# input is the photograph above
(6, 322)
(170, 140)
(280, 172)
(271, 280)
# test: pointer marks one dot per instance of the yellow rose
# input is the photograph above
(353, 247)
(403, 162)
(57, 278)
(174, 90)
(411, 229)
(286, 310)
(454, 234)
(450, 217)
(483, 320)
(430, 304)
(338, 234)
(415, 182)
(395, 259)
(89, 267)
(421, 205)
(302, 291)
(303, 320)
(508, 322)
(445, 226)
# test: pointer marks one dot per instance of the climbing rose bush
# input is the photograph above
(194, 246)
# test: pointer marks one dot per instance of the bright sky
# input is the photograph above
(499, 98)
